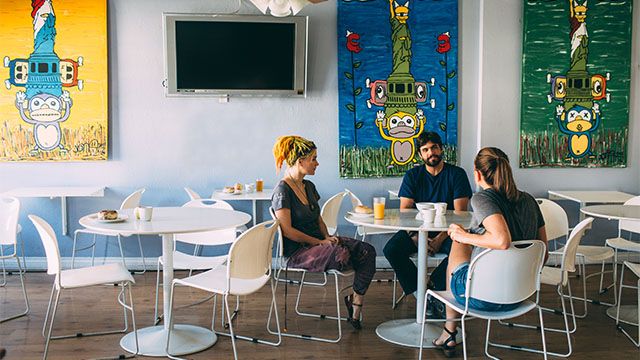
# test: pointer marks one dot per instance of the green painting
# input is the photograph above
(576, 67)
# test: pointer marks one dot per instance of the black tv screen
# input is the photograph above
(251, 55)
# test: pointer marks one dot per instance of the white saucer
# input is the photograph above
(120, 218)
(359, 215)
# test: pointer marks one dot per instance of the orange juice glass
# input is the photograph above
(259, 185)
(378, 207)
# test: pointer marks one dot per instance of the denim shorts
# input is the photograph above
(459, 286)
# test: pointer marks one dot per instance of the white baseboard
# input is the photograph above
(135, 263)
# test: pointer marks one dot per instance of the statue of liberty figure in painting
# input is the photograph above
(401, 121)
(579, 115)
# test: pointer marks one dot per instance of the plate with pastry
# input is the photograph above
(361, 211)
(109, 216)
(229, 189)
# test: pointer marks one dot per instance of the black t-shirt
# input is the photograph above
(304, 218)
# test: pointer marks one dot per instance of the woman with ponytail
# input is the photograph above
(502, 214)
(307, 243)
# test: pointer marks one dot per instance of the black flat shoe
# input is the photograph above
(348, 301)
(449, 351)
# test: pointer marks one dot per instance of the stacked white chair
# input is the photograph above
(520, 267)
(559, 277)
(132, 201)
(115, 273)
(635, 268)
(619, 243)
(247, 270)
(282, 265)
(184, 261)
(557, 226)
(9, 214)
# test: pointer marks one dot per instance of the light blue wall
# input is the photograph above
(164, 144)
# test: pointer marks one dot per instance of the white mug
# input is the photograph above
(249, 188)
(441, 208)
(428, 215)
(143, 213)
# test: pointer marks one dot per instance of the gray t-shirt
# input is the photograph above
(523, 216)
(303, 217)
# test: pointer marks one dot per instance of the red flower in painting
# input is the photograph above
(444, 44)
(353, 44)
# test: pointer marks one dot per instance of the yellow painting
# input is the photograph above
(53, 95)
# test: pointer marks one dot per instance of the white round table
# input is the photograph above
(628, 313)
(406, 332)
(167, 221)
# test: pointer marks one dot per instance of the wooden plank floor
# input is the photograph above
(96, 308)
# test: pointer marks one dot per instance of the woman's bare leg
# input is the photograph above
(460, 253)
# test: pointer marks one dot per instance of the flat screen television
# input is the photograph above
(216, 55)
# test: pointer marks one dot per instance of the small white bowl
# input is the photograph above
(425, 205)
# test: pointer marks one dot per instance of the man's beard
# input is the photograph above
(433, 160)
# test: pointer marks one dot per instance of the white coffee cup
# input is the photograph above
(249, 188)
(143, 213)
(440, 220)
(441, 208)
(428, 215)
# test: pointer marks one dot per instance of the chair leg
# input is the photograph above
(144, 264)
(233, 335)
(24, 292)
(24, 259)
(618, 325)
(53, 315)
(46, 315)
(122, 252)
(173, 288)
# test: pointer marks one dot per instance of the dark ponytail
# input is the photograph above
(494, 166)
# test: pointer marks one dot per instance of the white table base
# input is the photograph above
(628, 314)
(185, 339)
(406, 332)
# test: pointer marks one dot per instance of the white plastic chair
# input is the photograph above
(557, 226)
(331, 210)
(9, 213)
(559, 277)
(363, 231)
(619, 243)
(183, 261)
(635, 268)
(282, 265)
(132, 201)
(247, 270)
(24, 260)
(115, 273)
(519, 268)
(193, 195)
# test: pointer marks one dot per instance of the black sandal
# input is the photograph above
(348, 301)
(449, 351)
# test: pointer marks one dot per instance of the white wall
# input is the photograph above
(164, 144)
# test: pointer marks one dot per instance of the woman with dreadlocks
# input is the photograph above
(307, 243)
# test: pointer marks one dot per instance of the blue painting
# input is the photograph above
(397, 77)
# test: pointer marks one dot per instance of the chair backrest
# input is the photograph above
(571, 248)
(630, 225)
(506, 276)
(133, 200)
(355, 201)
(9, 214)
(556, 222)
(250, 255)
(192, 194)
(280, 243)
(50, 243)
(331, 209)
(213, 237)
